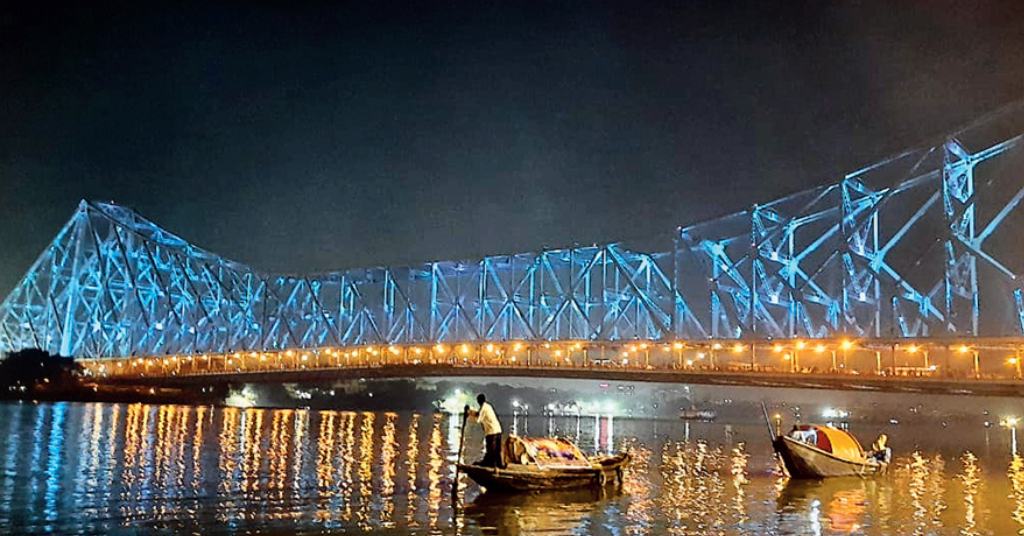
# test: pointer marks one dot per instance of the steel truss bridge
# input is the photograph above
(924, 250)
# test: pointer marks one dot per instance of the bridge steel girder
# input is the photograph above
(924, 244)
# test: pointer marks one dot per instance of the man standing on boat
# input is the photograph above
(488, 420)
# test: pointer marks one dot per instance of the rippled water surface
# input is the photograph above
(138, 469)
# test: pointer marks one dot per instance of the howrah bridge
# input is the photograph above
(904, 272)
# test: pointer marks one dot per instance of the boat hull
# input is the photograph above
(516, 477)
(806, 461)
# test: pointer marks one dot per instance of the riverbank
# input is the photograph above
(128, 394)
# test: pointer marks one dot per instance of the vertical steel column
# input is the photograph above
(961, 276)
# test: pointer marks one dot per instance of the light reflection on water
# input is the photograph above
(1016, 473)
(130, 469)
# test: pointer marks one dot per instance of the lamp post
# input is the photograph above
(820, 349)
(913, 350)
(464, 350)
(679, 349)
(737, 349)
(845, 345)
(965, 349)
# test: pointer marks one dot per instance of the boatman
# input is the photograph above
(880, 450)
(488, 420)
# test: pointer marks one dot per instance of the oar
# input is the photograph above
(455, 482)
(768, 421)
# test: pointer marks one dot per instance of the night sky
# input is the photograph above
(298, 138)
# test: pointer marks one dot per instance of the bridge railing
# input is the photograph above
(996, 359)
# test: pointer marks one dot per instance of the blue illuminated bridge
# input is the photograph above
(908, 270)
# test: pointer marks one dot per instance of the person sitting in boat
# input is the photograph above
(880, 451)
(488, 420)
(804, 435)
(514, 451)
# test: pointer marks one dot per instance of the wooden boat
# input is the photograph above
(705, 415)
(817, 451)
(547, 464)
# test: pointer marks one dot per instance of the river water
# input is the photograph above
(139, 469)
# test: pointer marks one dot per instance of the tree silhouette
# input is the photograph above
(30, 367)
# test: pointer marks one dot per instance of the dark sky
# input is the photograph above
(302, 138)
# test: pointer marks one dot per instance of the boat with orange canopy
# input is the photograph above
(818, 451)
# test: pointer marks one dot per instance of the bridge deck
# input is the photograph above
(850, 382)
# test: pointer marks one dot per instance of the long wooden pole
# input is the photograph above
(462, 441)
(768, 422)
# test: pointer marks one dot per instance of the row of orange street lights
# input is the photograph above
(636, 354)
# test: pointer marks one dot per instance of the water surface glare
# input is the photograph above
(81, 469)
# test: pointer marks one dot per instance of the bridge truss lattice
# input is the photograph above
(929, 243)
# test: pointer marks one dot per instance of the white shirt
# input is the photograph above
(488, 420)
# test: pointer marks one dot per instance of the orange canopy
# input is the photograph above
(844, 445)
(836, 441)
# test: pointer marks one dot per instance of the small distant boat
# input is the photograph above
(537, 464)
(697, 415)
(818, 451)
